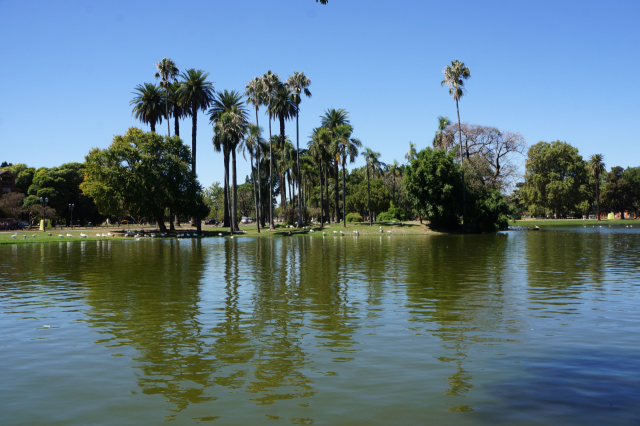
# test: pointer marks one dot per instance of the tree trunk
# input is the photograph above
(160, 222)
(283, 193)
(176, 124)
(153, 127)
(598, 195)
(336, 176)
(369, 196)
(298, 165)
(166, 107)
(464, 190)
(226, 215)
(255, 192)
(171, 227)
(344, 198)
(259, 199)
(326, 190)
(234, 217)
(271, 227)
(321, 199)
(194, 128)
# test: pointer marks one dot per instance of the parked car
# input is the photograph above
(210, 222)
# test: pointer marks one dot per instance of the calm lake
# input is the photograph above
(524, 328)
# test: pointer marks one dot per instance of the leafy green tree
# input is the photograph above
(434, 181)
(148, 104)
(140, 174)
(555, 178)
(617, 195)
(167, 71)
(376, 168)
(454, 77)
(632, 175)
(298, 84)
(488, 210)
(372, 196)
(596, 169)
(212, 196)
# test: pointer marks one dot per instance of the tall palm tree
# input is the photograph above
(330, 120)
(298, 84)
(347, 148)
(252, 143)
(254, 91)
(195, 94)
(376, 167)
(148, 105)
(454, 77)
(270, 82)
(230, 102)
(229, 129)
(167, 71)
(440, 139)
(395, 170)
(596, 168)
(282, 107)
(177, 111)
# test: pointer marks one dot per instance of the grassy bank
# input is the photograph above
(34, 236)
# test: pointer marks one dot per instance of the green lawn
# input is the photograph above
(27, 237)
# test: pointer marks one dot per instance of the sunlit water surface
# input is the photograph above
(514, 328)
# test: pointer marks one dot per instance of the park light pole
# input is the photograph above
(44, 202)
(71, 206)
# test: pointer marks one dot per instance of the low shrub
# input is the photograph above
(354, 217)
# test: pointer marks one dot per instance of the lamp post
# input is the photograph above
(71, 206)
(216, 207)
(44, 202)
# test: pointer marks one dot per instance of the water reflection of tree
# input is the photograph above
(457, 283)
(145, 296)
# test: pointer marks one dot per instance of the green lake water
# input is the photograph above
(527, 328)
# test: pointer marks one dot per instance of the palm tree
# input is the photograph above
(282, 106)
(411, 153)
(195, 94)
(331, 119)
(229, 129)
(596, 168)
(298, 84)
(148, 104)
(229, 102)
(347, 148)
(178, 111)
(167, 70)
(376, 167)
(454, 77)
(440, 140)
(395, 169)
(270, 82)
(254, 91)
(252, 143)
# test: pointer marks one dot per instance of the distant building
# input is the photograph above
(7, 182)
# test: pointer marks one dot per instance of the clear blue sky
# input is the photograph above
(547, 69)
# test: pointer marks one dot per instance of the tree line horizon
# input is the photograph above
(462, 181)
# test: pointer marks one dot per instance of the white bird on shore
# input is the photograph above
(25, 235)
(219, 234)
(49, 234)
(14, 235)
(110, 234)
(389, 232)
(69, 235)
(335, 232)
(97, 235)
(83, 235)
(103, 235)
(61, 236)
(312, 231)
(34, 235)
(324, 233)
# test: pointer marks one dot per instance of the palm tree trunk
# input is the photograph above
(271, 227)
(166, 106)
(598, 195)
(344, 199)
(464, 190)
(194, 129)
(255, 192)
(321, 200)
(326, 190)
(153, 126)
(259, 199)
(298, 165)
(369, 196)
(234, 218)
(225, 220)
(176, 124)
(171, 227)
(336, 176)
